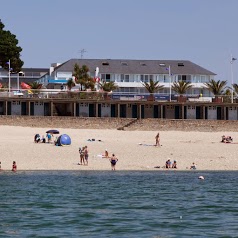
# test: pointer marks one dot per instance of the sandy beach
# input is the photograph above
(134, 149)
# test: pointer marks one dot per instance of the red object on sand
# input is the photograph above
(25, 86)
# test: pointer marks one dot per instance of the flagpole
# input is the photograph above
(169, 84)
(232, 79)
(9, 76)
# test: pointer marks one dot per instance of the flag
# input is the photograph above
(233, 59)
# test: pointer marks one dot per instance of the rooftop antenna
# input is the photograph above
(82, 52)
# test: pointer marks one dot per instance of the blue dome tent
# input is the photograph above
(63, 140)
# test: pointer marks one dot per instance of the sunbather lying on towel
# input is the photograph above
(226, 139)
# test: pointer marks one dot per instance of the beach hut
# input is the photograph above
(63, 140)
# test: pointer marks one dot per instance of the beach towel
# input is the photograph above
(146, 144)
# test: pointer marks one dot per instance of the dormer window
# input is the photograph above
(143, 64)
(180, 64)
(162, 65)
(105, 63)
(124, 63)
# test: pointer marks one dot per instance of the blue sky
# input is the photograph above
(50, 31)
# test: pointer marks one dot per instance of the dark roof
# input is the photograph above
(40, 70)
(125, 66)
(14, 80)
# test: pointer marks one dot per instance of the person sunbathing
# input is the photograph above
(226, 139)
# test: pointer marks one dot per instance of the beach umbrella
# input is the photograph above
(52, 132)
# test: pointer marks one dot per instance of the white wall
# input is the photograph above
(191, 112)
(212, 113)
(105, 110)
(16, 108)
(83, 109)
(38, 109)
(232, 113)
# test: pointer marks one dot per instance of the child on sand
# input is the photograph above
(106, 154)
(14, 166)
(193, 166)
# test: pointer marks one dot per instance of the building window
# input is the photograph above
(203, 79)
(103, 76)
(108, 77)
(142, 78)
(127, 77)
(122, 77)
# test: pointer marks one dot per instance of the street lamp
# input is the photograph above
(170, 83)
(170, 80)
(232, 60)
(9, 76)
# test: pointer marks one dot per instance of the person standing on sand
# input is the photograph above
(113, 161)
(86, 154)
(157, 140)
(14, 166)
(81, 154)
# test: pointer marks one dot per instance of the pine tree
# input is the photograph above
(9, 50)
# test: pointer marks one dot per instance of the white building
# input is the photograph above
(129, 74)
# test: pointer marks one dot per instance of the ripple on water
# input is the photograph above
(118, 204)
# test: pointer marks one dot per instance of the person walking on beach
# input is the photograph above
(157, 140)
(113, 161)
(14, 166)
(86, 154)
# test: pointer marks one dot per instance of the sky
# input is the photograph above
(54, 31)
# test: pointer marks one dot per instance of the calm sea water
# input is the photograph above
(118, 204)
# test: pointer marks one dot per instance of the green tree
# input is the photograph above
(227, 95)
(82, 77)
(152, 87)
(108, 86)
(216, 87)
(70, 83)
(35, 85)
(235, 87)
(181, 87)
(9, 50)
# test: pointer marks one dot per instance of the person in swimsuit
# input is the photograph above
(157, 140)
(113, 161)
(86, 154)
(193, 166)
(81, 154)
(14, 166)
(174, 165)
(106, 154)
